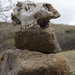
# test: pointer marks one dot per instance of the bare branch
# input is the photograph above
(4, 7)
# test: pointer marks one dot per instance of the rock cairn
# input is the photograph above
(37, 50)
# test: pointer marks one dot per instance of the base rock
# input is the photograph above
(43, 40)
(25, 62)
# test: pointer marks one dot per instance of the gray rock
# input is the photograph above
(24, 62)
(43, 40)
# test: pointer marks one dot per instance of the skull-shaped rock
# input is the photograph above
(28, 14)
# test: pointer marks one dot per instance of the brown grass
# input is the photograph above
(62, 28)
(70, 55)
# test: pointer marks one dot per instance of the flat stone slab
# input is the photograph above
(25, 62)
(43, 40)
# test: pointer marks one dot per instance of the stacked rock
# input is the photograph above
(37, 40)
(37, 46)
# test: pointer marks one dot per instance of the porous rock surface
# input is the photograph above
(25, 62)
(36, 39)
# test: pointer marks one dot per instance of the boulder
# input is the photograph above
(43, 40)
(25, 62)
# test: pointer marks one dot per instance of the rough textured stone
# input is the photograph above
(24, 62)
(43, 40)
